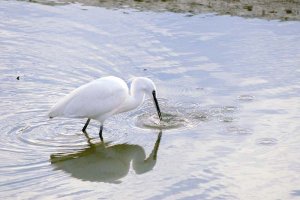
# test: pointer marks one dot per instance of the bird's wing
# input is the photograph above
(93, 99)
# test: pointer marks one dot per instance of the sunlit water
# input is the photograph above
(228, 88)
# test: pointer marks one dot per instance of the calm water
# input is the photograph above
(228, 86)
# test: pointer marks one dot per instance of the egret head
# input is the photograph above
(142, 84)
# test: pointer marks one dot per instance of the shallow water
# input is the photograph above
(228, 88)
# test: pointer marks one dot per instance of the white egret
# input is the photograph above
(104, 97)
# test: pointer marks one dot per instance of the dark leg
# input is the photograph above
(88, 139)
(86, 124)
(100, 132)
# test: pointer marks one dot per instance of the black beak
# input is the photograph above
(156, 105)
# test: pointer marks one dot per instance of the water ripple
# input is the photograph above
(266, 141)
(246, 97)
(174, 116)
(235, 80)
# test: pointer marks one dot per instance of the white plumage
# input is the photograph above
(93, 99)
(104, 97)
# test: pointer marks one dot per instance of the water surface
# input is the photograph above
(228, 88)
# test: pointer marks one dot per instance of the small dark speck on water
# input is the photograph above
(145, 69)
(18, 77)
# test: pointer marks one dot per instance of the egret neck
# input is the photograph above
(133, 100)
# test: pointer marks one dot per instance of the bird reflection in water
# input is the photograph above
(103, 163)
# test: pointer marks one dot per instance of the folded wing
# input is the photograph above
(94, 99)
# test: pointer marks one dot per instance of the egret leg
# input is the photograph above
(86, 124)
(100, 132)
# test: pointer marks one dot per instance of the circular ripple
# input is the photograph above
(169, 121)
(177, 116)
(246, 97)
(219, 111)
(229, 109)
(238, 130)
(226, 119)
(266, 141)
(181, 115)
